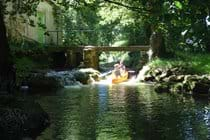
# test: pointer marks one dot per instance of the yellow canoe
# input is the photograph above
(120, 79)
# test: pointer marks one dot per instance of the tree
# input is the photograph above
(163, 20)
(7, 72)
(4, 50)
(150, 14)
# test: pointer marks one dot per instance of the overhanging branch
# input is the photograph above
(132, 8)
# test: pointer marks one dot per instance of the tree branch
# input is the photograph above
(132, 8)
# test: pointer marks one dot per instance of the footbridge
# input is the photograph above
(89, 55)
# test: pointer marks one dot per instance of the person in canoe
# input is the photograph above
(119, 73)
(119, 69)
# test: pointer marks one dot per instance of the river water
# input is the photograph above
(123, 112)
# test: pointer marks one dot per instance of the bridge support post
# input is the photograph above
(70, 59)
(90, 57)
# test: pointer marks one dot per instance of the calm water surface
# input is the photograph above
(123, 112)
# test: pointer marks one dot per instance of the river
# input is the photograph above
(123, 112)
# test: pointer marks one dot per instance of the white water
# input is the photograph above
(142, 73)
(146, 68)
(149, 53)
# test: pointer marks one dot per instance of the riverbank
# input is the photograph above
(187, 74)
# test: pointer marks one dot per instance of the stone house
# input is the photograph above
(20, 27)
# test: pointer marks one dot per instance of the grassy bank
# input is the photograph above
(194, 63)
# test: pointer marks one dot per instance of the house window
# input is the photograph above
(41, 23)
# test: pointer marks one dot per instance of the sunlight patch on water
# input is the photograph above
(107, 81)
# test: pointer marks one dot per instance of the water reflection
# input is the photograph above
(112, 124)
(103, 99)
(124, 112)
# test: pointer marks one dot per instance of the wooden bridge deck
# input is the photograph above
(129, 48)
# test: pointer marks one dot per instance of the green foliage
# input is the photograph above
(171, 18)
(102, 24)
(193, 62)
(27, 64)
(24, 66)
(23, 44)
(183, 24)
(178, 5)
(132, 60)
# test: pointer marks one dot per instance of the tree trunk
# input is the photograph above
(157, 44)
(7, 73)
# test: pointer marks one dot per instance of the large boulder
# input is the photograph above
(65, 78)
(21, 118)
(53, 80)
(43, 82)
(86, 75)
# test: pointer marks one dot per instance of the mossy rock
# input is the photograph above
(162, 88)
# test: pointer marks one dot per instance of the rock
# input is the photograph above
(91, 72)
(39, 81)
(65, 78)
(172, 78)
(163, 75)
(163, 87)
(187, 87)
(180, 78)
(157, 72)
(85, 76)
(191, 78)
(176, 80)
(53, 80)
(205, 80)
(21, 118)
(81, 77)
(149, 78)
(201, 88)
(169, 72)
(174, 70)
(177, 88)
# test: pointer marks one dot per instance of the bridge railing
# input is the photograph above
(101, 48)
